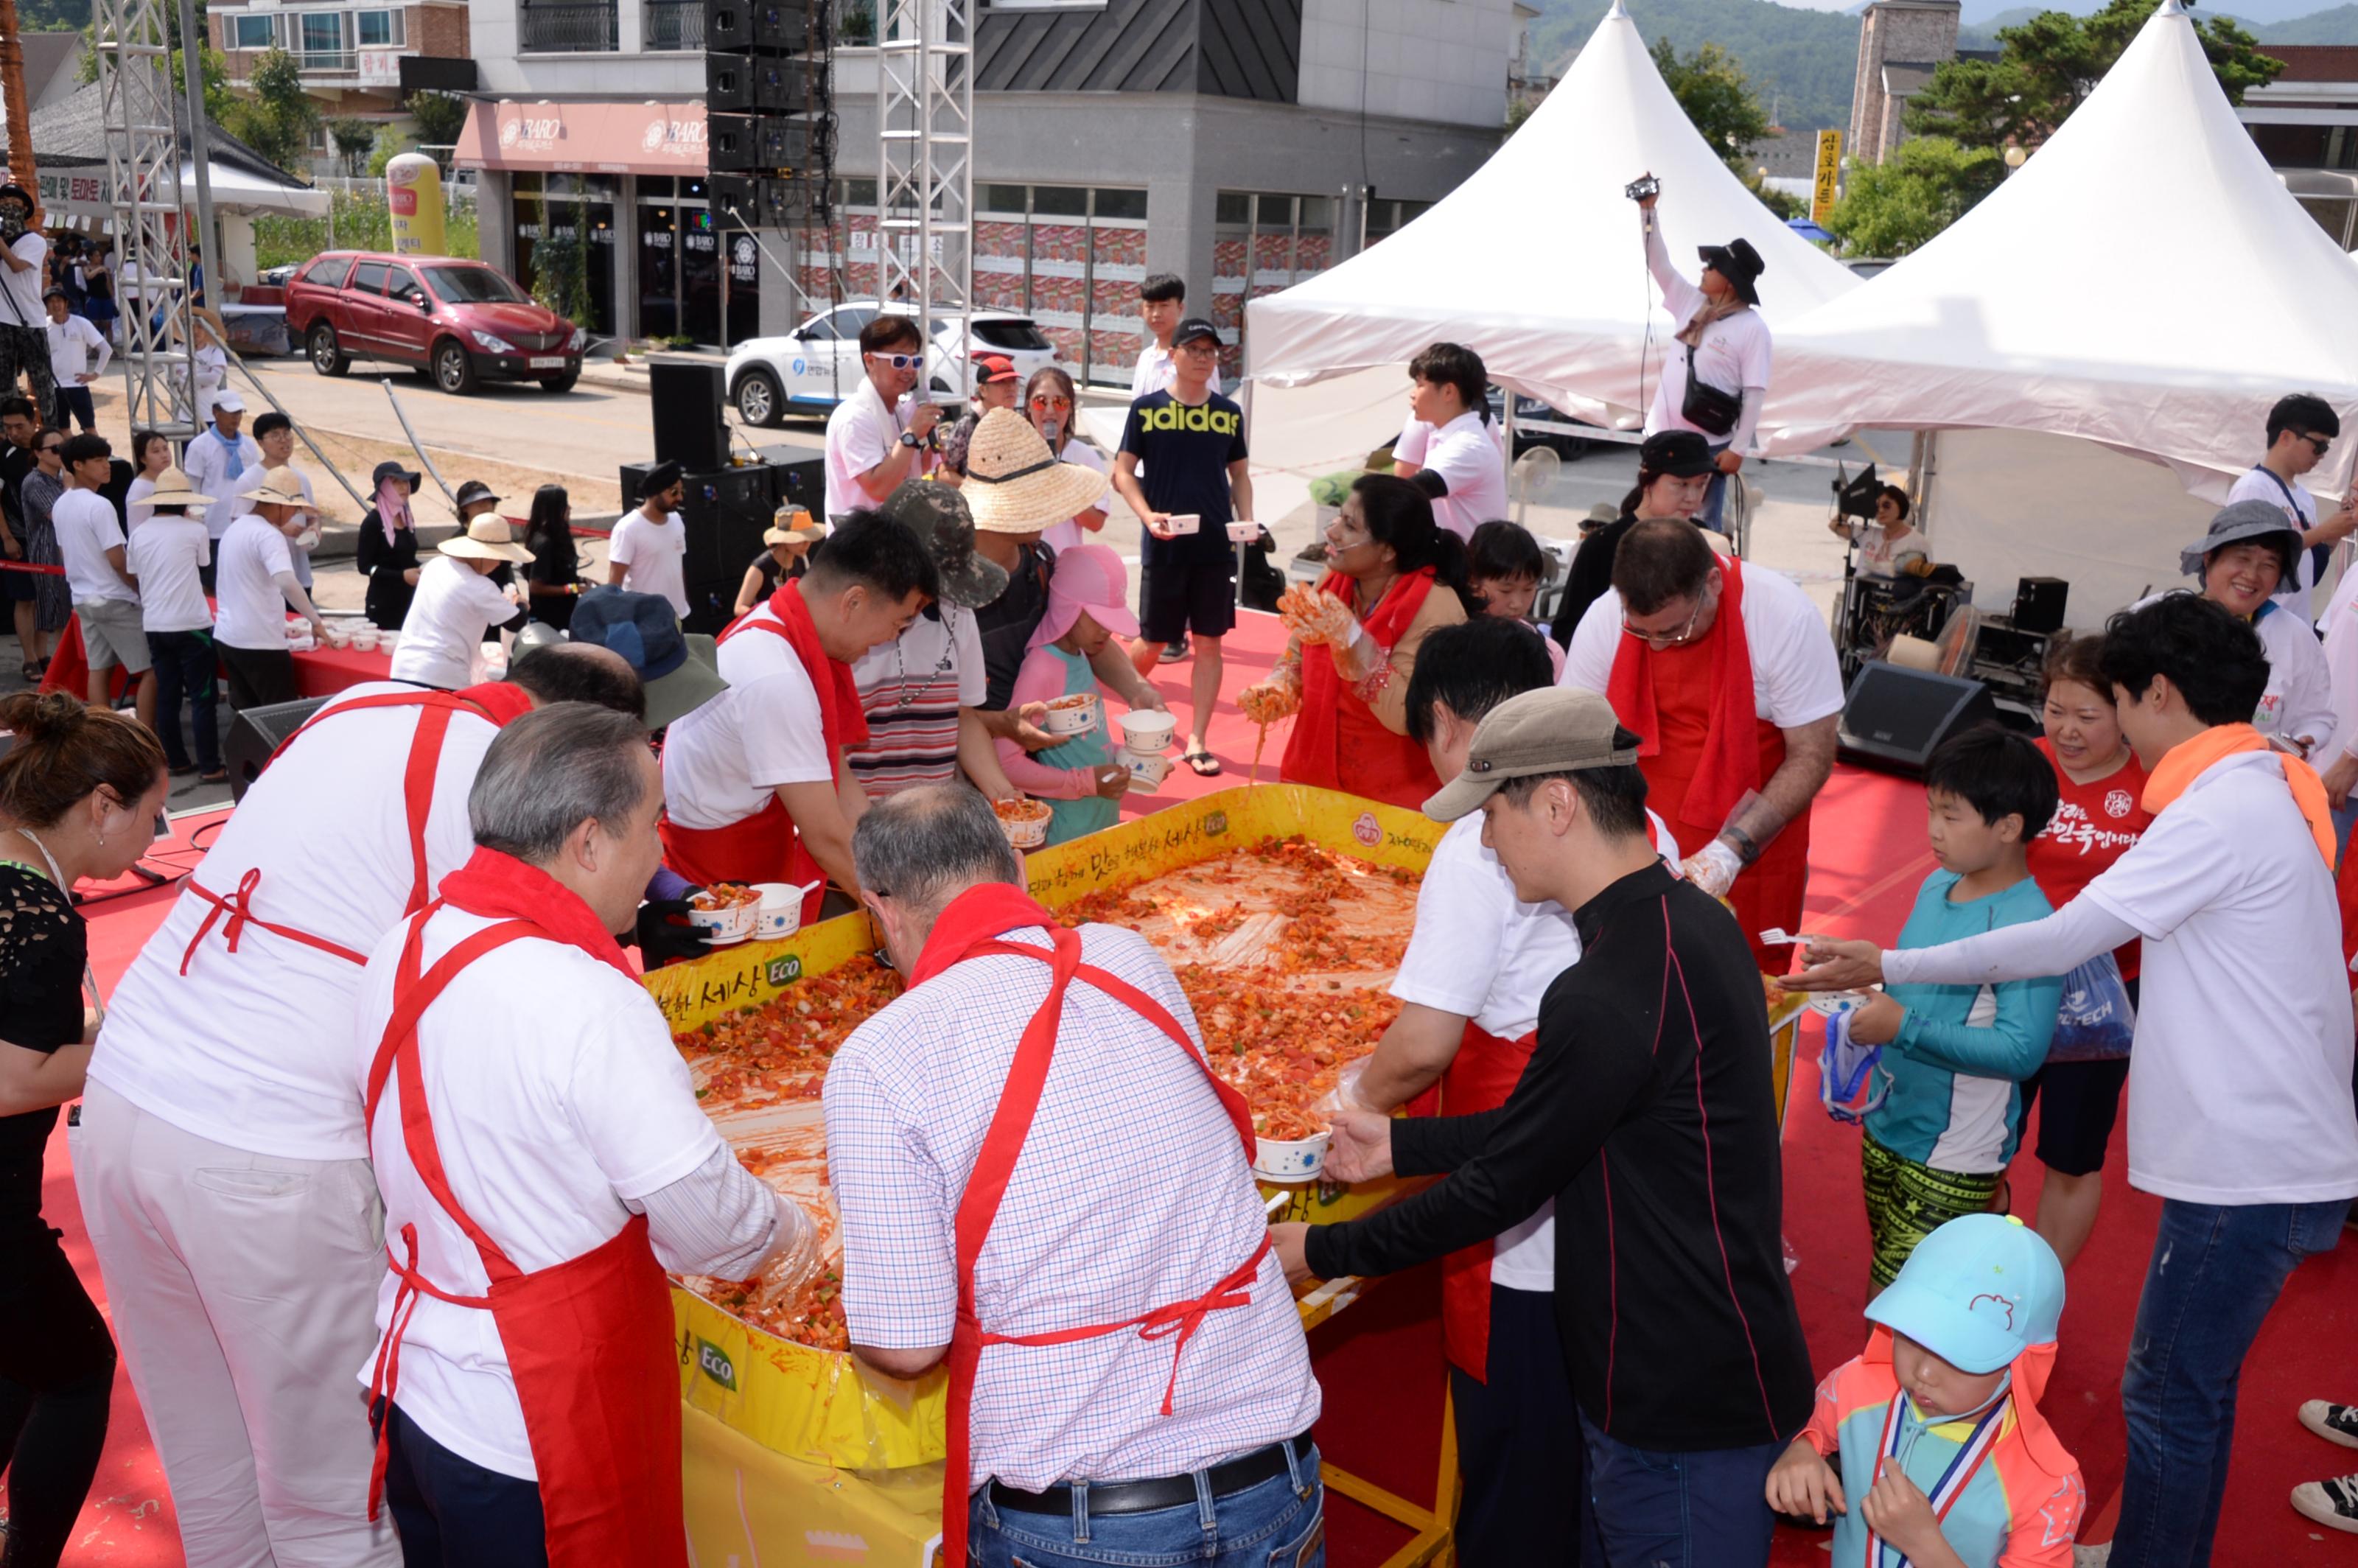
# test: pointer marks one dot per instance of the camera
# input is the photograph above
(1856, 497)
(1643, 186)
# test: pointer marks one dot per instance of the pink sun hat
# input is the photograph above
(1090, 577)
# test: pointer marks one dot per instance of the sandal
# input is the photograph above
(31, 673)
(219, 776)
(1204, 762)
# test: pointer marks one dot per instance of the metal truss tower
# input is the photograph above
(142, 165)
(924, 117)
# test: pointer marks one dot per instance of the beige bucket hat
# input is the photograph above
(487, 538)
(172, 489)
(279, 487)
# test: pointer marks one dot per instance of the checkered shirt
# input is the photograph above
(1131, 1193)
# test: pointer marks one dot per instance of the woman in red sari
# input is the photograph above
(1395, 575)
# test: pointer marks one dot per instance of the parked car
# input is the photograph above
(462, 321)
(817, 365)
(1571, 448)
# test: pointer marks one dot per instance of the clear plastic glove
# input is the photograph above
(1279, 697)
(1344, 1095)
(1315, 616)
(795, 1261)
(1712, 867)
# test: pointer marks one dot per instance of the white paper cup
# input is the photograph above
(1243, 533)
(780, 912)
(1834, 1003)
(1147, 732)
(731, 924)
(365, 638)
(1185, 523)
(1279, 1160)
(1073, 715)
(1026, 833)
(1147, 774)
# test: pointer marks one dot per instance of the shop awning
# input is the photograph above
(596, 138)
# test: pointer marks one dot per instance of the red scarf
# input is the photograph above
(981, 912)
(1312, 749)
(502, 702)
(841, 723)
(500, 887)
(1731, 744)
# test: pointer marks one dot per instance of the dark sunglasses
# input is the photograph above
(2321, 444)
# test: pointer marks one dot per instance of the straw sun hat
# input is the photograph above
(172, 489)
(1014, 483)
(487, 538)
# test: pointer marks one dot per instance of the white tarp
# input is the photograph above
(1536, 261)
(2144, 282)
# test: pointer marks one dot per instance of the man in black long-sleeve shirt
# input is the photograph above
(1646, 1113)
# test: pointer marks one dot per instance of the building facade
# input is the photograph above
(2306, 123)
(1241, 147)
(1899, 42)
(355, 58)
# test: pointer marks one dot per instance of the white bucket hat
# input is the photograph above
(1014, 483)
(488, 539)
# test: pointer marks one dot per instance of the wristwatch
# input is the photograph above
(912, 439)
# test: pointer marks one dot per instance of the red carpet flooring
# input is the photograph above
(1380, 1360)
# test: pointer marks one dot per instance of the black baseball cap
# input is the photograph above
(1682, 454)
(1193, 328)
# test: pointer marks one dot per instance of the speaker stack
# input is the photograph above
(726, 511)
(771, 134)
(1894, 717)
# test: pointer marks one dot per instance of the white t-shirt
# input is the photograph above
(861, 434)
(2292, 498)
(652, 556)
(1735, 353)
(2341, 626)
(1470, 454)
(584, 1105)
(165, 559)
(1067, 535)
(24, 307)
(1156, 370)
(1795, 678)
(251, 480)
(137, 509)
(86, 531)
(2298, 699)
(1880, 554)
(455, 605)
(2239, 1086)
(246, 566)
(252, 1048)
(212, 466)
(721, 762)
(70, 342)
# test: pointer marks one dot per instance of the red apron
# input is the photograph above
(764, 847)
(967, 929)
(1480, 1077)
(1338, 742)
(589, 1341)
(417, 803)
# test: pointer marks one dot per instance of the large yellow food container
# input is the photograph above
(822, 1408)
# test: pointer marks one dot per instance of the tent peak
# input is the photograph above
(1619, 12)
(2170, 8)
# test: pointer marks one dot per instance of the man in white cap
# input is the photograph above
(457, 603)
(216, 456)
(255, 581)
(224, 1158)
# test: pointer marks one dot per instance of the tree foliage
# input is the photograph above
(277, 119)
(2050, 64)
(1711, 86)
(441, 117)
(353, 137)
(1926, 184)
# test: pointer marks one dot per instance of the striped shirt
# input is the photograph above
(1087, 1233)
(912, 689)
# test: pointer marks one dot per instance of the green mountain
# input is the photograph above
(2338, 25)
(55, 15)
(1801, 62)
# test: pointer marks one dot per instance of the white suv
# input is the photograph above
(817, 365)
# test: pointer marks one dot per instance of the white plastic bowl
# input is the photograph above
(1073, 715)
(1147, 732)
(731, 924)
(1029, 834)
(1185, 523)
(1278, 1159)
(1834, 1003)
(1147, 774)
(780, 912)
(1243, 533)
(365, 639)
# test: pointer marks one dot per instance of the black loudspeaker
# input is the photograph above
(745, 143)
(725, 514)
(1894, 717)
(739, 25)
(745, 84)
(687, 397)
(802, 484)
(2038, 603)
(257, 732)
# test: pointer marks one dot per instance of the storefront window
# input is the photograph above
(1071, 257)
(1263, 242)
(565, 245)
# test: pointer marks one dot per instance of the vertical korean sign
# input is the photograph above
(1822, 192)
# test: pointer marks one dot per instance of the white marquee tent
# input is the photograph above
(2143, 285)
(1535, 261)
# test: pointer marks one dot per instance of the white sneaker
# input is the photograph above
(2335, 1424)
(2334, 1503)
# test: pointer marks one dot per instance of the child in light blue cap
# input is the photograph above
(1946, 1460)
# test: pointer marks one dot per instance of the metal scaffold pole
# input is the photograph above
(143, 167)
(924, 103)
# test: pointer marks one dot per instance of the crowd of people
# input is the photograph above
(299, 1172)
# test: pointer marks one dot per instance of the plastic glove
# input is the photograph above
(1317, 616)
(1344, 1095)
(1279, 697)
(1712, 867)
(663, 934)
(797, 1259)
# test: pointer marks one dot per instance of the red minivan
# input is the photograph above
(463, 321)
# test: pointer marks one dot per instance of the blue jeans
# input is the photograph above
(1703, 1509)
(453, 1513)
(1714, 494)
(1279, 1523)
(2216, 1272)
